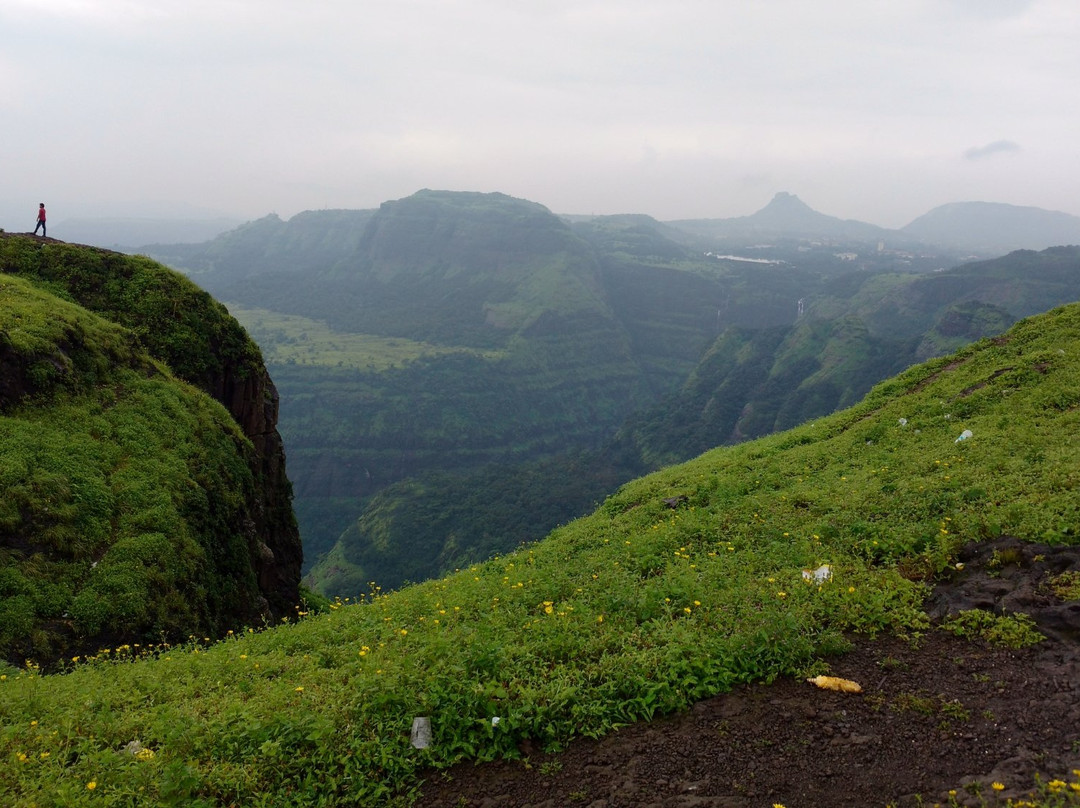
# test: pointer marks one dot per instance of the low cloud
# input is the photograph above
(990, 149)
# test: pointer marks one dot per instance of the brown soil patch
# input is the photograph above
(941, 714)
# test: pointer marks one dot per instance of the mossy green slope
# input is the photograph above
(92, 343)
(173, 319)
(682, 584)
(124, 492)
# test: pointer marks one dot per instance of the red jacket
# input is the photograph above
(41, 214)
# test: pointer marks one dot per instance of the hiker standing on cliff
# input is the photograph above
(40, 219)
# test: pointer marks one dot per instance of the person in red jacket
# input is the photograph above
(40, 219)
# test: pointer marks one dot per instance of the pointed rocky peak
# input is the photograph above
(783, 201)
(787, 211)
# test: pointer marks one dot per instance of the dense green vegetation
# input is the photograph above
(751, 382)
(859, 329)
(449, 343)
(123, 492)
(680, 585)
(173, 319)
(133, 506)
(289, 339)
(423, 526)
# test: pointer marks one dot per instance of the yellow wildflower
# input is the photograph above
(91, 785)
(997, 786)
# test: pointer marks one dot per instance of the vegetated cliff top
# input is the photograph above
(135, 506)
(684, 584)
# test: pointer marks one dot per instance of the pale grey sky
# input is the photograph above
(867, 109)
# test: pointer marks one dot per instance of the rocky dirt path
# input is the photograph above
(943, 714)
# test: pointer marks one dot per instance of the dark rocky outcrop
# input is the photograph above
(253, 401)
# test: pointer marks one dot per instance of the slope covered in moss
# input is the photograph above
(134, 506)
(682, 585)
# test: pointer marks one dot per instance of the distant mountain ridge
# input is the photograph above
(786, 215)
(995, 227)
(984, 228)
(556, 331)
(858, 330)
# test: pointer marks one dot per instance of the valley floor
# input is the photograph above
(941, 720)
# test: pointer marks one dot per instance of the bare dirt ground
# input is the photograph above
(943, 714)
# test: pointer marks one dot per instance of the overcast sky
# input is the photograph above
(877, 110)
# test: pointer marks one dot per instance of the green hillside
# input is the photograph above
(752, 381)
(134, 507)
(681, 585)
(857, 330)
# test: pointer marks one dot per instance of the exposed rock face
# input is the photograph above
(277, 552)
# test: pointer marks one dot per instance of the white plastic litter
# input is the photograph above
(963, 436)
(495, 721)
(903, 422)
(818, 576)
(421, 733)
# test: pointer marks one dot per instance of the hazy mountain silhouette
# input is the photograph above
(993, 227)
(787, 216)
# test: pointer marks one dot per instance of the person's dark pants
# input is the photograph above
(40, 224)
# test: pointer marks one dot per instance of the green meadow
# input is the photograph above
(289, 339)
(681, 585)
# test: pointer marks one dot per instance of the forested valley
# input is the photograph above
(461, 372)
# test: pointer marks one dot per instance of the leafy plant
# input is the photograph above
(1012, 631)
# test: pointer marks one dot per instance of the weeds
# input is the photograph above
(1011, 631)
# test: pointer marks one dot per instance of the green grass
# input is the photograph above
(123, 491)
(681, 585)
(292, 339)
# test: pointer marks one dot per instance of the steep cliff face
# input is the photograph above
(251, 542)
(252, 400)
